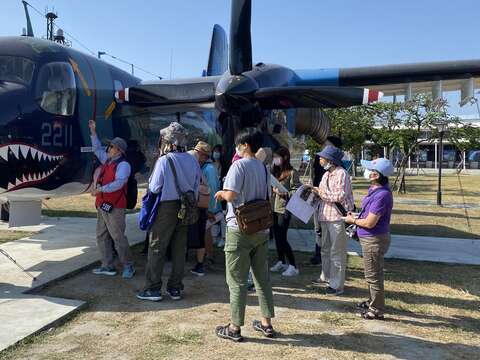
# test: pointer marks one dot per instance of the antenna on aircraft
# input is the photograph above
(51, 17)
(29, 31)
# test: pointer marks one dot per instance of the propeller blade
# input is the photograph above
(314, 97)
(240, 37)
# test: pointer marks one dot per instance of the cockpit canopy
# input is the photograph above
(16, 69)
(56, 90)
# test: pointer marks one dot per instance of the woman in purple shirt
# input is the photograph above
(373, 229)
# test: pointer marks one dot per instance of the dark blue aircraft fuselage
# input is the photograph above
(48, 92)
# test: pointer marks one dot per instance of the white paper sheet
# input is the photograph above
(300, 208)
(275, 183)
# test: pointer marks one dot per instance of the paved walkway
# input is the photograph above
(61, 247)
(67, 245)
(421, 248)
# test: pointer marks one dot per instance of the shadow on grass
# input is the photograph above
(434, 214)
(431, 230)
(378, 343)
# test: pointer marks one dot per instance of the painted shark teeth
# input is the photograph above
(16, 149)
(4, 153)
(49, 163)
(24, 149)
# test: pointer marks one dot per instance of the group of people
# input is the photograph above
(179, 173)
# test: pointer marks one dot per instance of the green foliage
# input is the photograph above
(465, 137)
(353, 125)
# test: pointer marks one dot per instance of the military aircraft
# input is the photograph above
(48, 92)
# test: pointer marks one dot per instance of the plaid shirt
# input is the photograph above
(335, 186)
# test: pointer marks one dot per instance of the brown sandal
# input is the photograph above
(371, 315)
(363, 305)
(224, 332)
(267, 331)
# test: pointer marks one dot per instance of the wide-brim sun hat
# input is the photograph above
(381, 165)
(204, 148)
(332, 154)
(174, 134)
(119, 143)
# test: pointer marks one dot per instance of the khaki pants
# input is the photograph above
(334, 253)
(243, 252)
(111, 235)
(374, 249)
(165, 231)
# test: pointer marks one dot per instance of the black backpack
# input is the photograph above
(132, 187)
(132, 192)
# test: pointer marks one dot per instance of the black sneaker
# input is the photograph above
(174, 294)
(332, 291)
(198, 270)
(151, 295)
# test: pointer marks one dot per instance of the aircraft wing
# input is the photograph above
(403, 79)
(172, 95)
(314, 96)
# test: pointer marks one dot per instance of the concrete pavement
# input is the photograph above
(61, 247)
(420, 248)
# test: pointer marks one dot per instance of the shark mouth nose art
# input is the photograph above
(23, 165)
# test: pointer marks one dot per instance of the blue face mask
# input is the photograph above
(216, 155)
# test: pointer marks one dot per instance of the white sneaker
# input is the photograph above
(291, 271)
(278, 267)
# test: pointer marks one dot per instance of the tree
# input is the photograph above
(387, 123)
(416, 118)
(465, 137)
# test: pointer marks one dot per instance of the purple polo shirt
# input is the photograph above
(379, 201)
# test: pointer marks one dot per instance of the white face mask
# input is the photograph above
(366, 174)
(328, 166)
(216, 155)
(237, 150)
(277, 161)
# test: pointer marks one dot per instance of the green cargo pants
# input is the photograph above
(243, 252)
(165, 231)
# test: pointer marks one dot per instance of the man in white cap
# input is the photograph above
(111, 201)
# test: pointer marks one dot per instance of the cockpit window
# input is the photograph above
(56, 90)
(16, 69)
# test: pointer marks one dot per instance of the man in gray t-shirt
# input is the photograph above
(249, 179)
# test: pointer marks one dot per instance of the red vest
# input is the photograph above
(117, 198)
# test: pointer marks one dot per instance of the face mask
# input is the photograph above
(328, 166)
(216, 155)
(366, 174)
(277, 161)
(237, 150)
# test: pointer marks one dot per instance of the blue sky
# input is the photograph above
(298, 34)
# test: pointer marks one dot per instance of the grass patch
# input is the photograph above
(78, 206)
(429, 219)
(432, 312)
(11, 235)
(179, 338)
